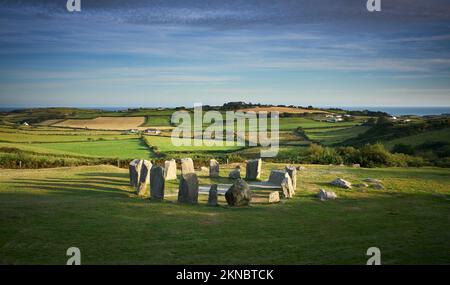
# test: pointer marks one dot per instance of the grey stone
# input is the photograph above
(326, 195)
(274, 197)
(378, 186)
(187, 166)
(301, 168)
(277, 176)
(253, 169)
(212, 198)
(286, 186)
(362, 185)
(204, 169)
(188, 189)
(235, 173)
(239, 194)
(341, 183)
(356, 165)
(170, 170)
(157, 183)
(372, 180)
(292, 171)
(144, 178)
(135, 171)
(213, 168)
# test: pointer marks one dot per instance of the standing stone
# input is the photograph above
(239, 194)
(187, 166)
(157, 183)
(144, 178)
(286, 186)
(213, 168)
(277, 176)
(135, 171)
(274, 197)
(212, 198)
(253, 169)
(170, 170)
(188, 189)
(235, 173)
(292, 171)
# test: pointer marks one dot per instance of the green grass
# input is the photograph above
(157, 121)
(44, 212)
(442, 135)
(44, 136)
(335, 135)
(124, 149)
(306, 123)
(165, 145)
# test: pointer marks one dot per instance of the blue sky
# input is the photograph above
(173, 53)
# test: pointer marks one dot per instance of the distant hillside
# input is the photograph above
(385, 130)
(290, 110)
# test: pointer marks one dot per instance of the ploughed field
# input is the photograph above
(103, 123)
(43, 212)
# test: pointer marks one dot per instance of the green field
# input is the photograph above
(334, 135)
(414, 140)
(44, 212)
(165, 145)
(124, 149)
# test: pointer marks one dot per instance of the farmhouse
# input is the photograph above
(153, 132)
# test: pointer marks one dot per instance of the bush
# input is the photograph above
(373, 155)
(320, 155)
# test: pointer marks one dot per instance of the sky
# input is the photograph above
(152, 53)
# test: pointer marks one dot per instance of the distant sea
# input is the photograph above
(401, 111)
(395, 111)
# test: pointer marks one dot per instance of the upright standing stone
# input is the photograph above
(212, 198)
(286, 186)
(213, 168)
(253, 169)
(135, 171)
(292, 171)
(144, 178)
(187, 166)
(188, 189)
(170, 170)
(277, 176)
(239, 194)
(157, 183)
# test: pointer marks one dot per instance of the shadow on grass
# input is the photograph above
(97, 183)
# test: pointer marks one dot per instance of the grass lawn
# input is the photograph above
(124, 149)
(44, 212)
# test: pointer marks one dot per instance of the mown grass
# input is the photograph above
(44, 212)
